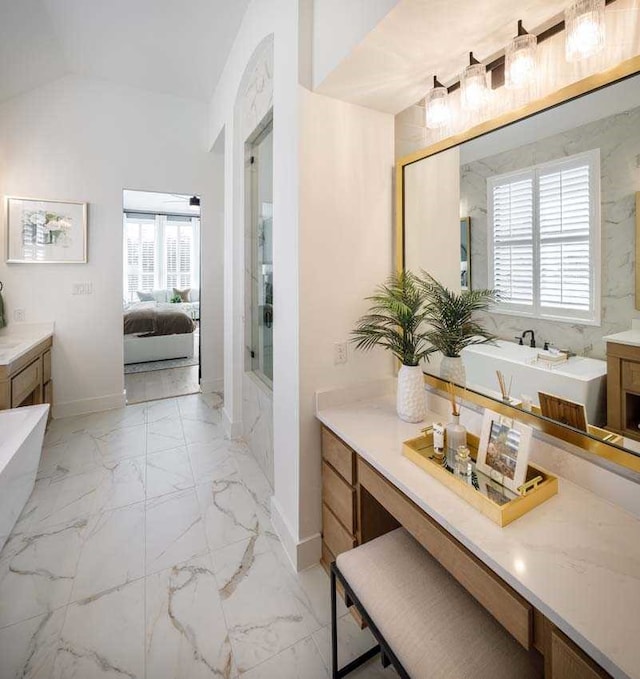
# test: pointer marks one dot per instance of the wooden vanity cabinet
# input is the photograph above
(27, 380)
(623, 389)
(359, 504)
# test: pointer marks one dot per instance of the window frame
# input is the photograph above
(159, 222)
(536, 310)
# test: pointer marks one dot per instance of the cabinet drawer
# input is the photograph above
(46, 366)
(569, 662)
(337, 538)
(339, 496)
(338, 455)
(24, 383)
(505, 604)
(631, 375)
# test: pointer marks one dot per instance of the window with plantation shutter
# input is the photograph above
(160, 253)
(545, 239)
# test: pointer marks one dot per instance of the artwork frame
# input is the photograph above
(465, 253)
(503, 453)
(45, 231)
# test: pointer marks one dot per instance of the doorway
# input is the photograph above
(161, 295)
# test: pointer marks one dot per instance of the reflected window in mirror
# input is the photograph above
(544, 239)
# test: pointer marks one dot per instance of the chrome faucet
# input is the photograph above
(532, 344)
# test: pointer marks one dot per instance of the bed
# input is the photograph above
(156, 332)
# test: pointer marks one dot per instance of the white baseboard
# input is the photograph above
(88, 405)
(232, 429)
(211, 386)
(302, 554)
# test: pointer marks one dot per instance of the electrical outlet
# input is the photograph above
(19, 315)
(82, 288)
(340, 353)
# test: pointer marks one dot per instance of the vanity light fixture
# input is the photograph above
(473, 85)
(437, 109)
(520, 59)
(585, 29)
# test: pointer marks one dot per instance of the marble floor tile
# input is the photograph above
(229, 511)
(77, 454)
(168, 471)
(186, 634)
(107, 422)
(28, 649)
(112, 553)
(121, 443)
(103, 636)
(164, 434)
(37, 571)
(114, 484)
(311, 587)
(262, 614)
(202, 407)
(39, 503)
(199, 431)
(157, 410)
(174, 530)
(352, 642)
(211, 461)
(300, 661)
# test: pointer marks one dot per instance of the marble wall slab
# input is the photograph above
(257, 422)
(618, 138)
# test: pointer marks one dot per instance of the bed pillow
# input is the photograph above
(145, 296)
(184, 295)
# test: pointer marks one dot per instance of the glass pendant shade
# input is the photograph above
(473, 87)
(437, 110)
(520, 62)
(585, 29)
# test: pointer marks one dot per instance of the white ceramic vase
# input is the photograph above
(452, 370)
(411, 402)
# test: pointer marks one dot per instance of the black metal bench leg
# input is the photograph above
(334, 629)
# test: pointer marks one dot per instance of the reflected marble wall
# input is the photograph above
(618, 138)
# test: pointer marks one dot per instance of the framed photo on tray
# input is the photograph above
(503, 453)
(46, 231)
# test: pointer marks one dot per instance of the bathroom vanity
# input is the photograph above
(623, 384)
(562, 579)
(25, 365)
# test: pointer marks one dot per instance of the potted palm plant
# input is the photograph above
(395, 322)
(453, 325)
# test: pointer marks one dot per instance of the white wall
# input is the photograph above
(337, 159)
(263, 18)
(83, 139)
(346, 164)
(432, 217)
(338, 26)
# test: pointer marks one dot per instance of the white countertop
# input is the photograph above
(576, 558)
(17, 339)
(631, 337)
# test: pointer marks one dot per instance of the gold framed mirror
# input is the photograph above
(415, 210)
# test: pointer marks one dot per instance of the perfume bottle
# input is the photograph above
(463, 461)
(456, 435)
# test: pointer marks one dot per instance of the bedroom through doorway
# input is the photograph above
(161, 295)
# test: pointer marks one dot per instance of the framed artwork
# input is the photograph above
(563, 410)
(503, 454)
(465, 253)
(46, 231)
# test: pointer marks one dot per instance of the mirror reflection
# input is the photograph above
(545, 210)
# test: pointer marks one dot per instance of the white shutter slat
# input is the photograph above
(512, 210)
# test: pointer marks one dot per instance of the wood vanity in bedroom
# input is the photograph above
(25, 368)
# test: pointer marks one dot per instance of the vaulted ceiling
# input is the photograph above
(175, 47)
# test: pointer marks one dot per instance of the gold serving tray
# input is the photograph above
(487, 496)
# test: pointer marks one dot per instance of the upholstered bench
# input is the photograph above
(426, 624)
